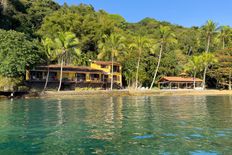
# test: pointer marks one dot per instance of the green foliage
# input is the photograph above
(208, 59)
(189, 41)
(48, 48)
(141, 46)
(111, 46)
(9, 83)
(223, 69)
(194, 65)
(89, 26)
(17, 53)
(35, 11)
(25, 15)
(10, 12)
(225, 34)
(166, 36)
(47, 21)
(209, 31)
(209, 28)
(66, 47)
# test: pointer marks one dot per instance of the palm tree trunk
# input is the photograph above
(61, 73)
(4, 4)
(230, 80)
(204, 76)
(208, 44)
(137, 71)
(223, 43)
(194, 80)
(112, 73)
(206, 67)
(46, 83)
(189, 51)
(157, 67)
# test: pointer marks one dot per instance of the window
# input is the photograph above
(115, 78)
(94, 77)
(116, 69)
(105, 78)
(81, 77)
(103, 66)
(52, 76)
(36, 75)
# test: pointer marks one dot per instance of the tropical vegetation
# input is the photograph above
(36, 32)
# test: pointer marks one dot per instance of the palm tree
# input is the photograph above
(3, 5)
(47, 44)
(165, 36)
(141, 44)
(209, 29)
(230, 72)
(194, 65)
(111, 46)
(65, 43)
(225, 34)
(129, 66)
(207, 59)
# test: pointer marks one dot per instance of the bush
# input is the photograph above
(7, 84)
(17, 53)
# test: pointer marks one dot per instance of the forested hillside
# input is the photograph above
(147, 50)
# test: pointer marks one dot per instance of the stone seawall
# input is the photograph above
(134, 93)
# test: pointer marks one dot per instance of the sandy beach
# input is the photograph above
(135, 93)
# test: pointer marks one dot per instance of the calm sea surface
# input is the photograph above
(195, 125)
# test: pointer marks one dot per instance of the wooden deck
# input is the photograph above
(70, 85)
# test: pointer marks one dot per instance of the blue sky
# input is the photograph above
(182, 12)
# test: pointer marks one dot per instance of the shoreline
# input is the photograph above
(52, 94)
(126, 92)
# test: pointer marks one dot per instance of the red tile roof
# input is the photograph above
(68, 68)
(179, 79)
(105, 63)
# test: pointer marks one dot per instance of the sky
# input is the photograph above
(181, 12)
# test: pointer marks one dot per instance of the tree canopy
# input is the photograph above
(25, 23)
(17, 53)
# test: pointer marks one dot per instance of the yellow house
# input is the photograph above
(97, 75)
(106, 66)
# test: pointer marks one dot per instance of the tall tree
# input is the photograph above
(18, 53)
(165, 37)
(225, 34)
(111, 45)
(88, 25)
(207, 59)
(34, 13)
(209, 29)
(194, 65)
(129, 64)
(141, 45)
(222, 70)
(48, 43)
(65, 43)
(11, 13)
